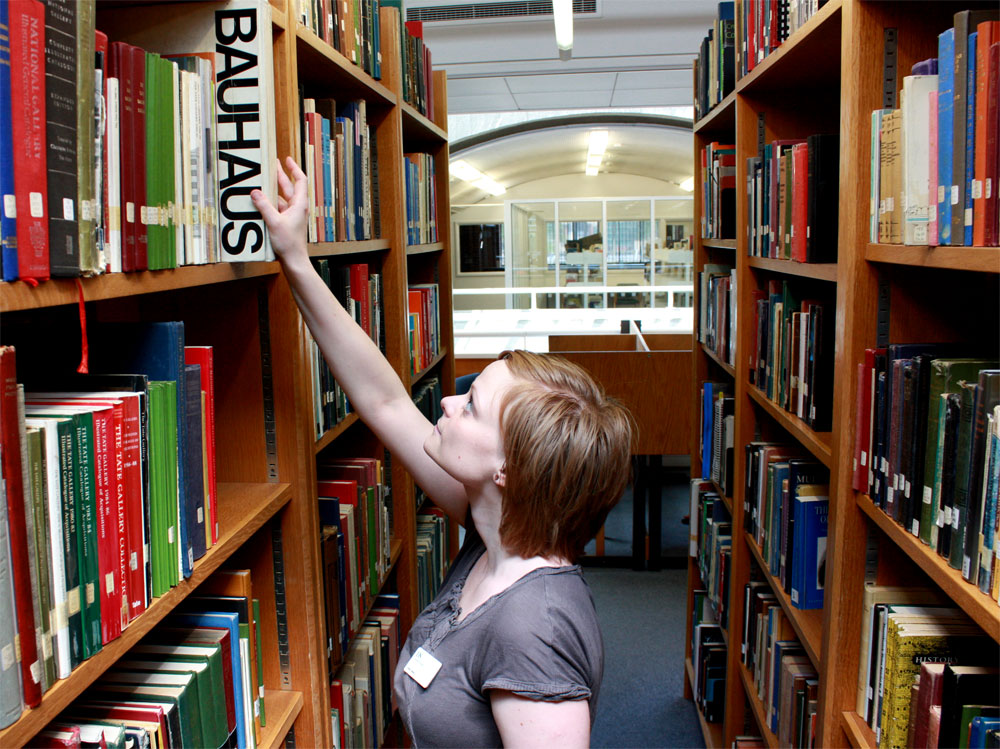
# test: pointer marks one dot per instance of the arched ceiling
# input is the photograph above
(647, 150)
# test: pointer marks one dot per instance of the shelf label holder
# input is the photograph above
(882, 320)
(889, 73)
(761, 135)
(267, 385)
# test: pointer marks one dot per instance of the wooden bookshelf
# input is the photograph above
(837, 56)
(267, 447)
(719, 244)
(710, 732)
(726, 366)
(757, 709)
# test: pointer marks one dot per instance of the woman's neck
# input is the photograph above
(486, 514)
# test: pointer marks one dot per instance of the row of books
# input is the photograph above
(360, 292)
(786, 511)
(925, 669)
(421, 198)
(793, 189)
(340, 159)
(432, 553)
(708, 662)
(361, 697)
(718, 434)
(718, 191)
(717, 310)
(352, 27)
(153, 170)
(712, 544)
(355, 501)
(764, 24)
(427, 398)
(927, 449)
(110, 492)
(424, 322)
(791, 360)
(195, 680)
(787, 684)
(934, 158)
(715, 66)
(418, 81)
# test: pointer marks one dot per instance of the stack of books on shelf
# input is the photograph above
(786, 682)
(424, 324)
(717, 310)
(764, 24)
(927, 450)
(361, 698)
(715, 66)
(195, 680)
(151, 171)
(110, 493)
(340, 159)
(421, 199)
(355, 510)
(352, 27)
(415, 61)
(432, 552)
(718, 191)
(711, 545)
(708, 663)
(934, 158)
(926, 671)
(792, 196)
(791, 357)
(786, 513)
(718, 434)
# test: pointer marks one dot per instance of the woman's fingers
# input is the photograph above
(285, 184)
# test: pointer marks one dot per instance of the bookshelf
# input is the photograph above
(267, 448)
(834, 61)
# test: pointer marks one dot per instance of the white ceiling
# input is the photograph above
(631, 53)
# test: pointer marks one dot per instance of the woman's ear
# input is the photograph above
(500, 477)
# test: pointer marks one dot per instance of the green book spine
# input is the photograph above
(260, 660)
(169, 124)
(86, 150)
(86, 507)
(39, 519)
(159, 519)
(172, 495)
(70, 537)
(967, 394)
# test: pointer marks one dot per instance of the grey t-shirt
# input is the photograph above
(539, 638)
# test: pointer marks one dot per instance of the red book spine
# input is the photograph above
(987, 33)
(138, 166)
(120, 67)
(859, 476)
(203, 355)
(337, 703)
(10, 463)
(27, 103)
(359, 292)
(800, 200)
(992, 147)
(132, 530)
(107, 526)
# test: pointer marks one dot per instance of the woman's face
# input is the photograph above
(466, 440)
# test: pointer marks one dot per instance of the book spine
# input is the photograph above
(946, 91)
(88, 152)
(8, 200)
(969, 145)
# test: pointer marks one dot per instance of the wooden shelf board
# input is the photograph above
(423, 373)
(17, 295)
(278, 20)
(325, 249)
(821, 271)
(710, 732)
(859, 733)
(719, 244)
(757, 708)
(808, 58)
(978, 259)
(420, 249)
(720, 117)
(338, 429)
(282, 709)
(979, 606)
(419, 127)
(243, 509)
(729, 368)
(808, 623)
(318, 60)
(818, 443)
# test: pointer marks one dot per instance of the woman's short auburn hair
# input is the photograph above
(568, 449)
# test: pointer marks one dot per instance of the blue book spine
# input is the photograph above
(946, 105)
(8, 222)
(727, 10)
(706, 430)
(328, 185)
(781, 472)
(376, 41)
(970, 138)
(796, 591)
(815, 516)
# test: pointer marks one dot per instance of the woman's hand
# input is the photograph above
(286, 224)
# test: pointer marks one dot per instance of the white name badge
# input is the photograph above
(422, 667)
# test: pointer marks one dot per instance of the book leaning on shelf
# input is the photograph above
(762, 26)
(349, 26)
(708, 662)
(711, 545)
(926, 449)
(718, 170)
(715, 66)
(717, 310)
(424, 321)
(421, 198)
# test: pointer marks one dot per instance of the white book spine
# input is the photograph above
(916, 158)
(114, 218)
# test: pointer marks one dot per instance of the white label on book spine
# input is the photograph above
(170, 534)
(928, 495)
(133, 561)
(954, 194)
(946, 517)
(915, 528)
(968, 217)
(59, 618)
(130, 212)
(69, 210)
(10, 206)
(86, 210)
(109, 583)
(73, 601)
(864, 458)
(977, 189)
(35, 205)
(89, 592)
(966, 565)
(36, 672)
(201, 515)
(46, 646)
(956, 514)
(7, 656)
(989, 188)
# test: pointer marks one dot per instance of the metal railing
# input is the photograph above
(672, 291)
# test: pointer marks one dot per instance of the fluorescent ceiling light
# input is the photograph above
(490, 185)
(687, 184)
(467, 173)
(591, 171)
(562, 14)
(598, 141)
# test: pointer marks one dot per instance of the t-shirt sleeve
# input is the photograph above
(539, 649)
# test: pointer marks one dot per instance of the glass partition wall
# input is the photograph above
(599, 253)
